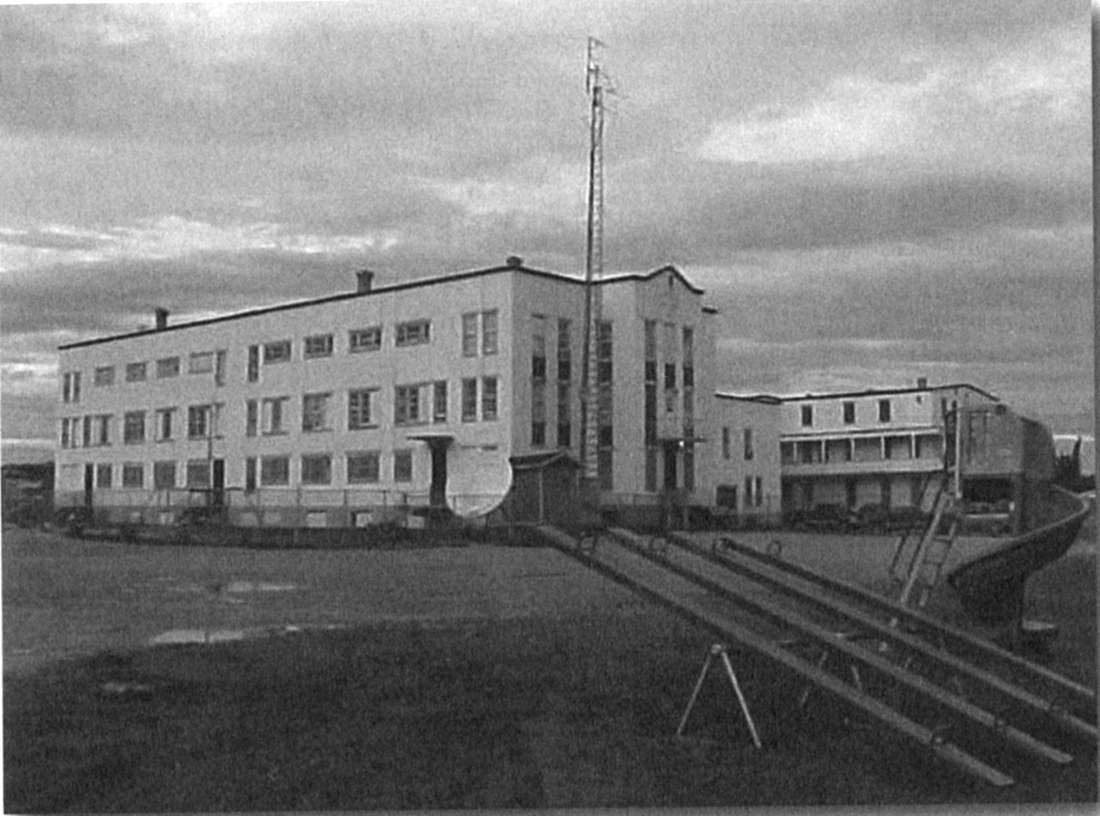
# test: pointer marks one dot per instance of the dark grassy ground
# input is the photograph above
(539, 711)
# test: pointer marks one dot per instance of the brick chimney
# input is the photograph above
(922, 382)
(514, 261)
(364, 280)
(161, 317)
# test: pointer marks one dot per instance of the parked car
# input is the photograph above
(827, 518)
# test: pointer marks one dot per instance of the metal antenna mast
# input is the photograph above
(593, 270)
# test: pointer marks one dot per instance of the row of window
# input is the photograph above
(480, 336)
(848, 411)
(316, 469)
(753, 496)
(414, 404)
(747, 451)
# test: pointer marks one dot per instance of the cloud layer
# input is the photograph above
(869, 191)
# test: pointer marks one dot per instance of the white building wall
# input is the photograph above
(734, 465)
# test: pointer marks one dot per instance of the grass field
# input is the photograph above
(459, 678)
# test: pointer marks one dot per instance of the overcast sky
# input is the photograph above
(868, 191)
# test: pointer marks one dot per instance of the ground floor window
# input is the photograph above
(275, 471)
(103, 475)
(164, 475)
(363, 467)
(133, 475)
(402, 466)
(198, 473)
(317, 469)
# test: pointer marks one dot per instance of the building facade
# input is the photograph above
(340, 410)
(878, 447)
(748, 489)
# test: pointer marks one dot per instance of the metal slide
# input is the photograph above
(886, 674)
(991, 586)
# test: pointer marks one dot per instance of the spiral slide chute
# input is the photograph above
(991, 586)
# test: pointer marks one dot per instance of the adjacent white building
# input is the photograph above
(436, 392)
(878, 446)
(748, 486)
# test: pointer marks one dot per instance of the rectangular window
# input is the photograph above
(315, 412)
(104, 376)
(369, 339)
(650, 343)
(884, 410)
(70, 387)
(469, 399)
(413, 333)
(201, 362)
(469, 335)
(135, 372)
(219, 367)
(277, 352)
(538, 415)
(603, 352)
(406, 405)
(87, 431)
(164, 475)
(65, 433)
(274, 471)
(198, 421)
(565, 407)
(402, 466)
(101, 430)
(251, 417)
(133, 427)
(807, 416)
(759, 491)
(253, 364)
(133, 475)
(565, 351)
(363, 467)
(198, 473)
(748, 492)
(670, 376)
(651, 469)
(604, 463)
(318, 345)
(274, 415)
(725, 442)
(538, 349)
(359, 408)
(439, 401)
(168, 367)
(164, 424)
(726, 496)
(748, 444)
(488, 398)
(103, 475)
(604, 417)
(317, 469)
(489, 332)
(689, 357)
(250, 475)
(689, 467)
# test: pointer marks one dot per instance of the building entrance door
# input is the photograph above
(89, 484)
(437, 491)
(218, 483)
(670, 449)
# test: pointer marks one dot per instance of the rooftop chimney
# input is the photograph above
(364, 280)
(922, 382)
(162, 318)
(514, 261)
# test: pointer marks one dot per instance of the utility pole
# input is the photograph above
(593, 270)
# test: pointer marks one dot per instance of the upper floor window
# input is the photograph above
(315, 412)
(849, 413)
(807, 416)
(135, 372)
(278, 352)
(603, 351)
(884, 410)
(469, 399)
(319, 345)
(253, 363)
(70, 387)
(133, 427)
(359, 408)
(413, 332)
(408, 405)
(689, 356)
(487, 321)
(565, 351)
(725, 442)
(274, 414)
(439, 401)
(201, 362)
(164, 424)
(488, 398)
(365, 339)
(104, 375)
(199, 424)
(168, 367)
(748, 444)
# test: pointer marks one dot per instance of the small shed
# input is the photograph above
(545, 488)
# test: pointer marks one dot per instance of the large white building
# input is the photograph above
(436, 391)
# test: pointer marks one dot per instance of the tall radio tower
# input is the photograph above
(593, 269)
